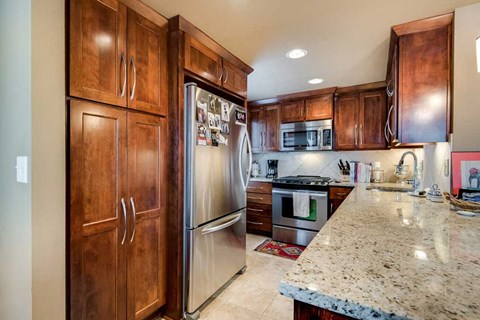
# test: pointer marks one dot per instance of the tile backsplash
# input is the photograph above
(325, 163)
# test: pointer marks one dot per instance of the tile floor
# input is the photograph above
(254, 294)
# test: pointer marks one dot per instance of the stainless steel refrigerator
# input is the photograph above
(217, 170)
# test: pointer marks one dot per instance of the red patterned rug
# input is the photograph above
(280, 249)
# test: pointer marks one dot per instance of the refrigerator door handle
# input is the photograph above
(240, 162)
(250, 158)
(225, 225)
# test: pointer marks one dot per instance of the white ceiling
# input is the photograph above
(346, 40)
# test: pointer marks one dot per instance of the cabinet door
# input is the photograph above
(293, 111)
(97, 227)
(256, 118)
(271, 128)
(147, 240)
(424, 86)
(147, 61)
(319, 108)
(346, 122)
(202, 61)
(98, 51)
(234, 79)
(372, 118)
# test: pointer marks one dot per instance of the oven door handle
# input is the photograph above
(315, 194)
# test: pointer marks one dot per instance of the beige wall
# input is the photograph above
(48, 159)
(15, 140)
(466, 114)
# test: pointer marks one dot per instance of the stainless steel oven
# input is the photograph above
(309, 135)
(292, 229)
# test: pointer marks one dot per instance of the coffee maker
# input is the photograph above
(272, 168)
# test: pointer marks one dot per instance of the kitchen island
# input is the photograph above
(387, 255)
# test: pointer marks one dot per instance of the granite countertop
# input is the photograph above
(387, 255)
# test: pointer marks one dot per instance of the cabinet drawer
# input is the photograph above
(257, 223)
(259, 198)
(259, 187)
(264, 210)
(339, 193)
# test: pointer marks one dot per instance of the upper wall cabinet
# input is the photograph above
(263, 126)
(98, 56)
(419, 77)
(360, 117)
(102, 70)
(147, 60)
(205, 62)
(307, 106)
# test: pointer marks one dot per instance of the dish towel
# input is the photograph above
(301, 204)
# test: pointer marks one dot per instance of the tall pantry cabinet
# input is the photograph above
(117, 151)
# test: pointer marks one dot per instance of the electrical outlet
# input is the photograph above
(446, 167)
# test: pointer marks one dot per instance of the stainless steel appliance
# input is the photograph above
(293, 229)
(272, 168)
(309, 135)
(217, 170)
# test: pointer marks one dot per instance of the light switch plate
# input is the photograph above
(22, 169)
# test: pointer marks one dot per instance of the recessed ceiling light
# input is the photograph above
(296, 53)
(315, 81)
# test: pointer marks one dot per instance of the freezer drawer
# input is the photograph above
(215, 253)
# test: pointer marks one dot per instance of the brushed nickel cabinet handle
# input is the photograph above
(226, 75)
(341, 194)
(256, 223)
(124, 220)
(221, 76)
(124, 85)
(132, 63)
(256, 210)
(355, 132)
(134, 219)
(361, 134)
(254, 198)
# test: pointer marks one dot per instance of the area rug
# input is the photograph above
(280, 249)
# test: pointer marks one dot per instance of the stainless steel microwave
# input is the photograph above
(306, 136)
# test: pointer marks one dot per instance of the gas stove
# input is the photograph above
(301, 182)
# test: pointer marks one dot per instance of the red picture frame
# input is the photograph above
(464, 165)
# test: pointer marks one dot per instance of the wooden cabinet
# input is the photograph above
(371, 120)
(307, 106)
(360, 118)
(259, 208)
(264, 125)
(234, 79)
(147, 61)
(293, 111)
(420, 52)
(117, 215)
(147, 243)
(305, 311)
(346, 122)
(98, 51)
(336, 196)
(319, 108)
(205, 62)
(100, 67)
(98, 230)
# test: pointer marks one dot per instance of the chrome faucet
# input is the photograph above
(415, 170)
